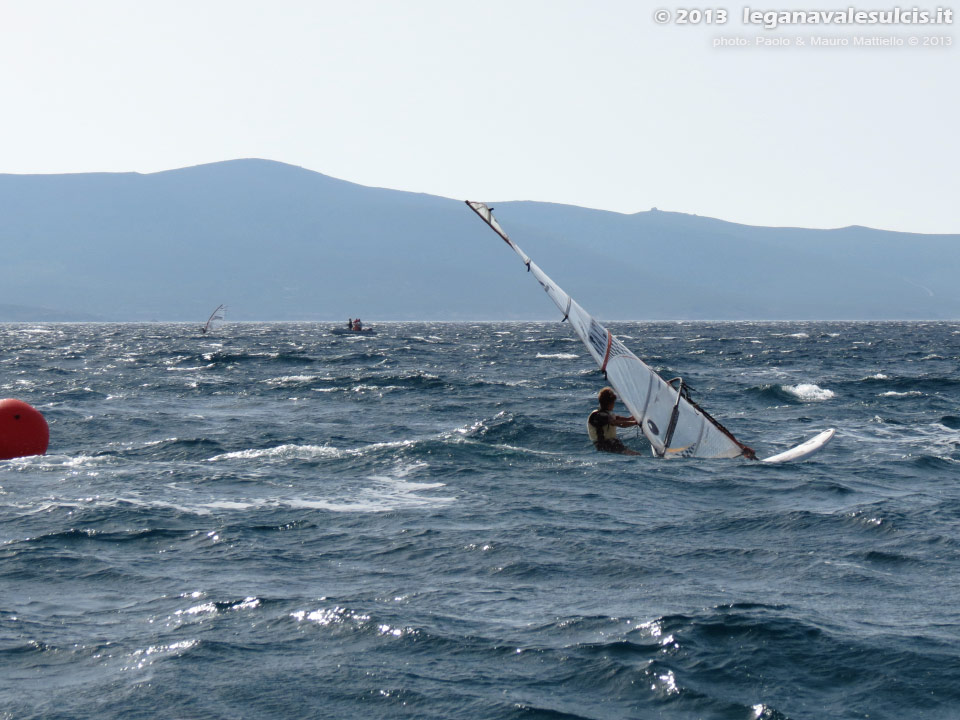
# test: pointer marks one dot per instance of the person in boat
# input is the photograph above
(357, 325)
(350, 324)
(603, 423)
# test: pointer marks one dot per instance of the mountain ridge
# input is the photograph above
(281, 242)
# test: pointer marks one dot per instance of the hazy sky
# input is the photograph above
(586, 102)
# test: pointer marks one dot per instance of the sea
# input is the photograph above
(273, 521)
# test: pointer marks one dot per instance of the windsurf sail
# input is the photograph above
(674, 424)
(216, 317)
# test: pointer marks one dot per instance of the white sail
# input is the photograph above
(216, 317)
(674, 425)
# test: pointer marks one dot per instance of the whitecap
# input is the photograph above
(145, 657)
(72, 461)
(468, 429)
(405, 470)
(291, 379)
(809, 392)
(557, 356)
(288, 451)
(388, 495)
(202, 609)
(229, 505)
(330, 616)
(429, 339)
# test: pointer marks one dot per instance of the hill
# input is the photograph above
(278, 242)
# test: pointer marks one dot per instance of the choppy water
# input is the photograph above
(278, 522)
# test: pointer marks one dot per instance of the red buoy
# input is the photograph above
(23, 430)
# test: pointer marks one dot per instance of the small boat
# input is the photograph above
(345, 331)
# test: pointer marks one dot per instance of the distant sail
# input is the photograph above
(674, 424)
(216, 317)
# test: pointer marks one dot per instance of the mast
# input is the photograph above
(214, 316)
(674, 425)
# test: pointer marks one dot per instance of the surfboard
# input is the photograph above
(802, 450)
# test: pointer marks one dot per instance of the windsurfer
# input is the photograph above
(603, 423)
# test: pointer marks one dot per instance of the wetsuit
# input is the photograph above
(603, 433)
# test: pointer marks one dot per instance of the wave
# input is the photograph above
(441, 573)
(191, 368)
(288, 380)
(517, 433)
(775, 638)
(936, 463)
(809, 392)
(891, 385)
(553, 672)
(865, 522)
(166, 449)
(803, 392)
(557, 356)
(287, 451)
(220, 357)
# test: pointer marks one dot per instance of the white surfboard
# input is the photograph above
(802, 450)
